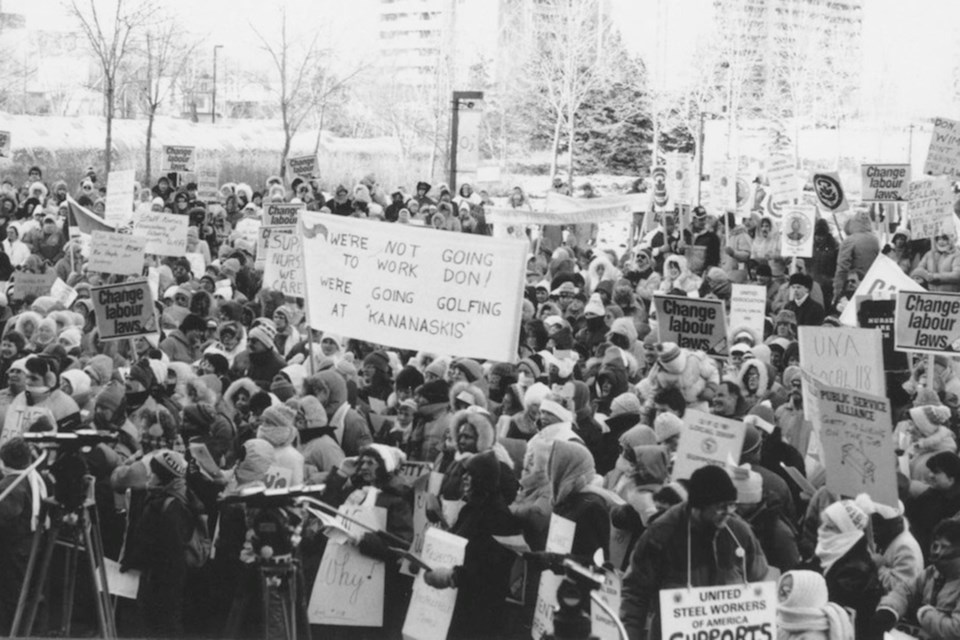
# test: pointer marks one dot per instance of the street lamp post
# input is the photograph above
(213, 106)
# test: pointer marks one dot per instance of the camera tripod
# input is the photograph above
(282, 590)
(78, 531)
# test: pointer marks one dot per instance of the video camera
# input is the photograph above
(69, 469)
(257, 495)
(70, 440)
(571, 621)
(272, 523)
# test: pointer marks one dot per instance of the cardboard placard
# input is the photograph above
(731, 611)
(748, 305)
(707, 439)
(124, 310)
(927, 321)
(692, 323)
(453, 293)
(64, 293)
(784, 181)
(881, 314)
(278, 477)
(32, 284)
(723, 184)
(680, 178)
(943, 155)
(118, 253)
(208, 183)
(559, 540)
(856, 434)
(431, 610)
(282, 214)
(304, 166)
(842, 357)
(166, 233)
(884, 182)
(348, 590)
(283, 262)
(20, 417)
(796, 231)
(603, 626)
(882, 280)
(930, 211)
(119, 205)
(178, 158)
(829, 190)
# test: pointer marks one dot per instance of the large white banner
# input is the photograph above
(413, 288)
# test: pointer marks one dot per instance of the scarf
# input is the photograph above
(834, 546)
(832, 618)
(38, 492)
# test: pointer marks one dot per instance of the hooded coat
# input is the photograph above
(352, 433)
(570, 471)
(938, 587)
(857, 251)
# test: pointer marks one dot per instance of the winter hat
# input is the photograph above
(264, 334)
(710, 485)
(70, 338)
(761, 352)
(536, 394)
(761, 417)
(100, 369)
(110, 397)
(193, 322)
(666, 426)
(808, 590)
(282, 388)
(16, 338)
(845, 516)
(801, 279)
(379, 360)
(471, 368)
(409, 378)
(556, 409)
(532, 366)
(168, 465)
(671, 357)
(869, 507)
(390, 457)
(594, 307)
(927, 396)
(258, 456)
(276, 426)
(786, 316)
(79, 381)
(929, 418)
(751, 439)
(749, 484)
(626, 402)
(314, 415)
(790, 374)
(434, 391)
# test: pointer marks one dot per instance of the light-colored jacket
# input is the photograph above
(940, 620)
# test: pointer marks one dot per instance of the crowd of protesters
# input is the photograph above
(585, 424)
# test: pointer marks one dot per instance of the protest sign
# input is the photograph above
(603, 626)
(178, 158)
(282, 214)
(283, 262)
(927, 321)
(559, 540)
(930, 211)
(166, 233)
(431, 610)
(680, 171)
(32, 284)
(880, 314)
(124, 310)
(117, 253)
(748, 305)
(731, 611)
(208, 183)
(63, 293)
(348, 590)
(119, 205)
(829, 192)
(943, 155)
(515, 217)
(660, 193)
(841, 357)
(784, 180)
(304, 166)
(278, 477)
(796, 232)
(723, 184)
(884, 182)
(452, 293)
(123, 584)
(5, 144)
(20, 417)
(856, 434)
(883, 279)
(423, 487)
(707, 439)
(692, 323)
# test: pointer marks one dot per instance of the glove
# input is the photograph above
(925, 610)
(439, 578)
(883, 620)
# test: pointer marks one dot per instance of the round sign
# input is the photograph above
(796, 229)
(774, 209)
(743, 192)
(660, 197)
(829, 191)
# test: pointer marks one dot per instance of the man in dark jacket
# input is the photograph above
(809, 312)
(260, 362)
(722, 550)
(183, 342)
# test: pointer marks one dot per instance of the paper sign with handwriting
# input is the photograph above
(117, 253)
(166, 233)
(431, 610)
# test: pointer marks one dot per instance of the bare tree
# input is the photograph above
(164, 53)
(111, 28)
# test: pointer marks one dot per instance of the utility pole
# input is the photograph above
(213, 101)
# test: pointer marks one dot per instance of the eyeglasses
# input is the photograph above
(853, 282)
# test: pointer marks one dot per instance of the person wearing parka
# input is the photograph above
(698, 543)
(857, 251)
(571, 474)
(898, 555)
(939, 268)
(349, 428)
